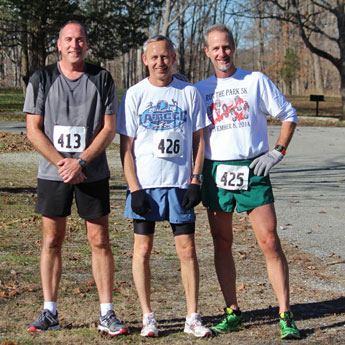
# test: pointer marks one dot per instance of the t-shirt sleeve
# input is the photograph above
(34, 97)
(127, 117)
(111, 99)
(274, 102)
(200, 118)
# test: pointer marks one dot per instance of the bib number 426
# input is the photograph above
(168, 144)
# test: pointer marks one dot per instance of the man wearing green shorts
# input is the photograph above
(236, 170)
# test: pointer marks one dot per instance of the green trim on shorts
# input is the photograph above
(214, 198)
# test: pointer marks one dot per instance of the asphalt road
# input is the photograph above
(308, 187)
(309, 191)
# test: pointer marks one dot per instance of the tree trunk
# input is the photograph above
(25, 57)
(318, 74)
(181, 51)
(342, 91)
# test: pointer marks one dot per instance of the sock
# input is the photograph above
(51, 306)
(192, 316)
(237, 312)
(105, 307)
(149, 316)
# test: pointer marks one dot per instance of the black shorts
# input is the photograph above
(147, 227)
(55, 198)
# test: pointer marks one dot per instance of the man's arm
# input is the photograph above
(139, 201)
(263, 164)
(192, 196)
(34, 132)
(34, 125)
(69, 168)
(198, 153)
(126, 153)
(286, 132)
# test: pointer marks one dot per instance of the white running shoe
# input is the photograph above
(149, 326)
(194, 326)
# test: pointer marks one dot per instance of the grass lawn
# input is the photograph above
(12, 99)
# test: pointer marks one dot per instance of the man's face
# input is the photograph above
(159, 59)
(72, 44)
(221, 53)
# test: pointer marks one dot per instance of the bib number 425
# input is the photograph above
(232, 177)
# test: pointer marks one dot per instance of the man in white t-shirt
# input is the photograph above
(161, 121)
(236, 170)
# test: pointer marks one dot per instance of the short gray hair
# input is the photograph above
(77, 23)
(221, 28)
(158, 38)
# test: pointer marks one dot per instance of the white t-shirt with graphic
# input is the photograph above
(238, 107)
(162, 121)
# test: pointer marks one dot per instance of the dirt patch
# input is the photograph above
(10, 142)
(317, 292)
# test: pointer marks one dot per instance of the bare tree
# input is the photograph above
(321, 25)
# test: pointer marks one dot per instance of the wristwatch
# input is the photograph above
(199, 177)
(281, 149)
(81, 162)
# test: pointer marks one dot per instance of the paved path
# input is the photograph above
(309, 189)
(12, 127)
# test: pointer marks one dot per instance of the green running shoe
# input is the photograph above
(288, 329)
(230, 323)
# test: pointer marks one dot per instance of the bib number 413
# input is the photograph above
(232, 177)
(69, 138)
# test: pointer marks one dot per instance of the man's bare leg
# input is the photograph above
(264, 223)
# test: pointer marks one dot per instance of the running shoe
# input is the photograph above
(194, 326)
(288, 329)
(110, 324)
(230, 323)
(149, 326)
(45, 322)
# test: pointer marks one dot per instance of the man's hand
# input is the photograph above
(264, 163)
(70, 171)
(139, 202)
(192, 197)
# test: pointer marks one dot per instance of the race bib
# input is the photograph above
(168, 144)
(69, 138)
(232, 177)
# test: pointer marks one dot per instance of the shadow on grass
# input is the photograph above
(18, 190)
(267, 316)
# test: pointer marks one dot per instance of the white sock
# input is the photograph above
(192, 316)
(105, 307)
(51, 306)
(149, 316)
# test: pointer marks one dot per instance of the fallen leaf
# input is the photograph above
(336, 262)
(76, 291)
(241, 287)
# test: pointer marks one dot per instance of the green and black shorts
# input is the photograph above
(259, 190)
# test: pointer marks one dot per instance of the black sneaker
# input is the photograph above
(45, 322)
(111, 324)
